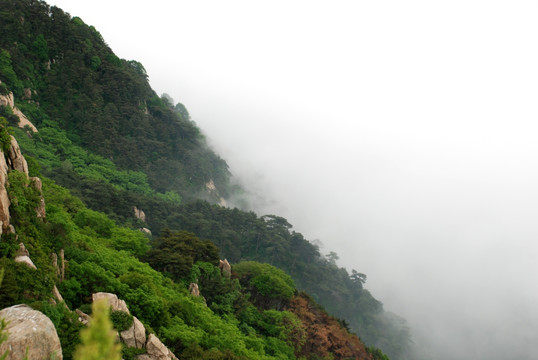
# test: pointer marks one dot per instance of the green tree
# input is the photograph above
(270, 286)
(176, 253)
(98, 339)
(357, 277)
(40, 48)
(5, 135)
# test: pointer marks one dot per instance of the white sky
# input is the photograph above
(401, 134)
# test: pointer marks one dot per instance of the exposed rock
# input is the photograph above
(144, 357)
(54, 260)
(4, 198)
(62, 265)
(23, 256)
(145, 231)
(212, 189)
(139, 214)
(135, 336)
(38, 184)
(225, 267)
(27, 93)
(193, 288)
(59, 297)
(7, 100)
(156, 350)
(15, 158)
(22, 251)
(113, 301)
(57, 294)
(26, 260)
(210, 185)
(83, 317)
(32, 330)
(40, 210)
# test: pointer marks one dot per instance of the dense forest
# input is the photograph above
(116, 158)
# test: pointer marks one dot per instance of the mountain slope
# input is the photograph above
(105, 135)
(65, 69)
(238, 319)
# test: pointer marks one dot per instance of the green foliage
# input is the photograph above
(121, 320)
(95, 62)
(24, 196)
(40, 48)
(376, 353)
(10, 289)
(267, 282)
(102, 102)
(176, 252)
(5, 135)
(223, 295)
(97, 222)
(130, 353)
(98, 340)
(7, 74)
(135, 242)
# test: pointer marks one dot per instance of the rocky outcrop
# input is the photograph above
(113, 301)
(7, 100)
(139, 214)
(32, 330)
(62, 262)
(212, 189)
(135, 336)
(40, 210)
(225, 267)
(15, 159)
(27, 94)
(4, 198)
(54, 260)
(145, 231)
(193, 288)
(82, 317)
(23, 256)
(156, 350)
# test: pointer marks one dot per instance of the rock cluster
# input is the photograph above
(113, 301)
(135, 336)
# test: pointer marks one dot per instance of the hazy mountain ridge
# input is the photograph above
(87, 101)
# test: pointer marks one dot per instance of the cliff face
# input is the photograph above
(9, 161)
(8, 101)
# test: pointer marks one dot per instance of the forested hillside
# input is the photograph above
(106, 136)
